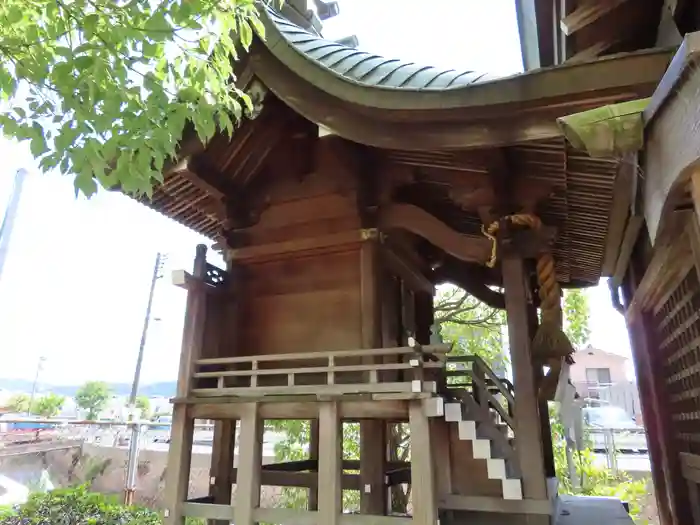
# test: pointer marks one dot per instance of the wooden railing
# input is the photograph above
(402, 371)
(472, 373)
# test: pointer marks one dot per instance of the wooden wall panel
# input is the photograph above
(303, 304)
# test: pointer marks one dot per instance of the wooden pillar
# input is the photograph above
(373, 498)
(247, 497)
(423, 493)
(182, 429)
(440, 442)
(221, 470)
(330, 465)
(527, 418)
(313, 454)
(545, 425)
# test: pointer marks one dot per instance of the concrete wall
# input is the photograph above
(105, 467)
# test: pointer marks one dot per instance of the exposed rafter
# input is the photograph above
(587, 13)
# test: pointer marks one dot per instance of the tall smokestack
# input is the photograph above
(8, 220)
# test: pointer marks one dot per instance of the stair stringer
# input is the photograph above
(488, 443)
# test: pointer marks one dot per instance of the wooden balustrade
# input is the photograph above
(322, 373)
(477, 377)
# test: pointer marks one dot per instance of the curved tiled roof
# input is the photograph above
(368, 69)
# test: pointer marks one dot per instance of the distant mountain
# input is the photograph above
(163, 389)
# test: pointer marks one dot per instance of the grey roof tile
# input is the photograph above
(367, 68)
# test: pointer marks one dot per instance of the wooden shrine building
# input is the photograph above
(358, 185)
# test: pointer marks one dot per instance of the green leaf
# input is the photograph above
(84, 62)
(14, 15)
(85, 184)
(246, 34)
(90, 24)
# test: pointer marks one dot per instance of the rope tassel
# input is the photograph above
(550, 343)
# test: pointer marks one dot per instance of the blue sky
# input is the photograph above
(76, 282)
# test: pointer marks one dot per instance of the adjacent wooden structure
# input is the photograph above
(359, 185)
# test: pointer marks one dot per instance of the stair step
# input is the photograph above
(481, 448)
(453, 412)
(512, 489)
(496, 468)
(467, 430)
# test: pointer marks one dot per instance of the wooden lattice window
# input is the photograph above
(678, 336)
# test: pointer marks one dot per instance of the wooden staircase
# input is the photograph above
(480, 405)
(490, 443)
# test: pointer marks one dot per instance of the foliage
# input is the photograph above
(77, 506)
(473, 327)
(46, 406)
(19, 403)
(294, 447)
(93, 397)
(576, 316)
(49, 405)
(144, 405)
(594, 479)
(103, 90)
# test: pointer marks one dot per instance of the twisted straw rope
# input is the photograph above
(549, 291)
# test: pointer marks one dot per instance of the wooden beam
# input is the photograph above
(587, 13)
(406, 270)
(287, 248)
(419, 222)
(592, 52)
(619, 211)
(470, 277)
(281, 478)
(499, 505)
(300, 407)
(634, 226)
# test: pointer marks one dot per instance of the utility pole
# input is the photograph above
(35, 384)
(135, 427)
(8, 221)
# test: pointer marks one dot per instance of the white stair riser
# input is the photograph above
(481, 449)
(512, 489)
(453, 412)
(496, 468)
(467, 430)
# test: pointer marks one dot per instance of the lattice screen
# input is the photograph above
(678, 331)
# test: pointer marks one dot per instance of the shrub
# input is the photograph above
(77, 506)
